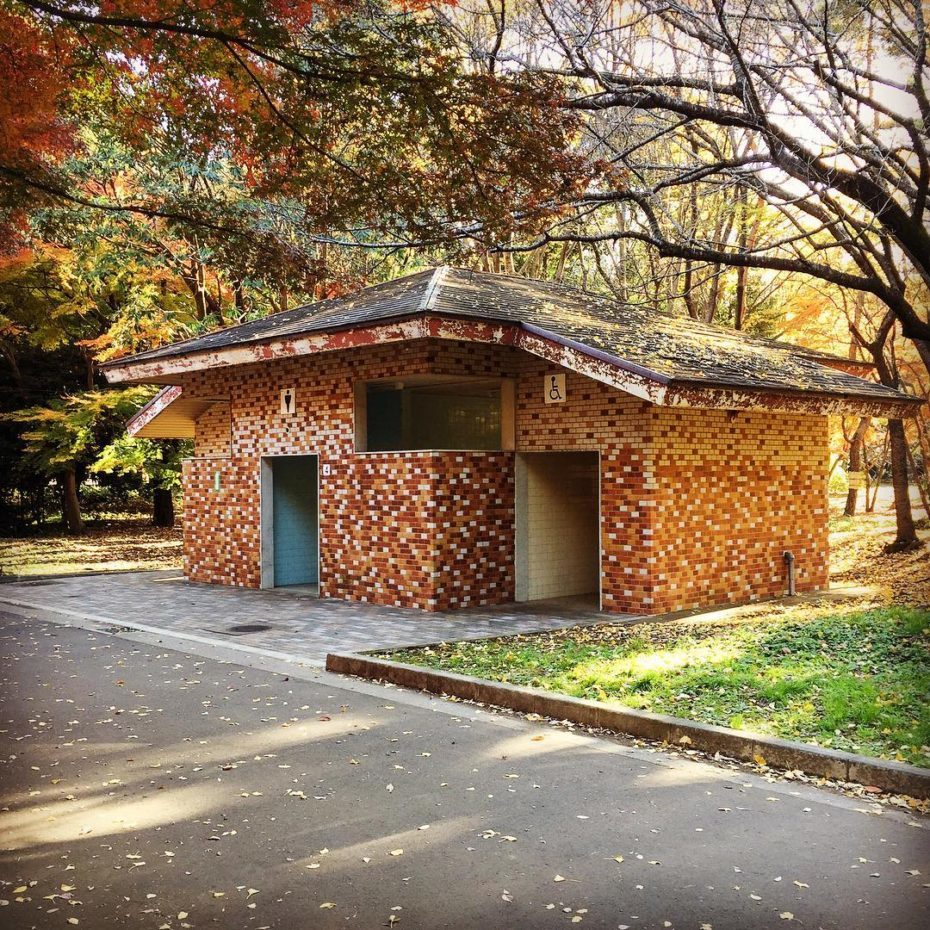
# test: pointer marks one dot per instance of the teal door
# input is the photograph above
(295, 508)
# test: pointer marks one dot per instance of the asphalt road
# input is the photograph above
(151, 788)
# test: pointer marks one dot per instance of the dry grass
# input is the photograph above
(111, 545)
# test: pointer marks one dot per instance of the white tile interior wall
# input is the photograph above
(559, 550)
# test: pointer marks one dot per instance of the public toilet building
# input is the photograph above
(454, 439)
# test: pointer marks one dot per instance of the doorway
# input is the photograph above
(290, 522)
(557, 525)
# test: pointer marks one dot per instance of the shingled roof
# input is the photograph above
(656, 347)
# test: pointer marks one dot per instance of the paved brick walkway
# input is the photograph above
(298, 625)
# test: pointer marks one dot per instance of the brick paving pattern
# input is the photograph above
(305, 626)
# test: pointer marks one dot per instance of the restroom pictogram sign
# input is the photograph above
(554, 389)
(288, 400)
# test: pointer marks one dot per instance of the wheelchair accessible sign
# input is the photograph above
(554, 389)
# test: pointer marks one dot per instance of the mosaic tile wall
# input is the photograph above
(734, 491)
(696, 506)
(597, 417)
(412, 529)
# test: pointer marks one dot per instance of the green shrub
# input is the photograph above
(839, 480)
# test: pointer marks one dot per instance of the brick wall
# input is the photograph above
(213, 433)
(411, 529)
(422, 529)
(696, 505)
(734, 491)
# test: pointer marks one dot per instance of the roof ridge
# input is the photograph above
(428, 300)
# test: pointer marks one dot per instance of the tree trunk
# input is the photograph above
(886, 369)
(560, 271)
(740, 312)
(89, 370)
(239, 299)
(163, 513)
(921, 483)
(923, 350)
(906, 537)
(855, 464)
(70, 505)
(688, 292)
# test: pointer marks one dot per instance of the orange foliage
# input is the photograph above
(33, 76)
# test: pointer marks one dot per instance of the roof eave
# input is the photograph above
(169, 415)
(624, 375)
(682, 393)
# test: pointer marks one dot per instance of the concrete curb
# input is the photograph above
(782, 754)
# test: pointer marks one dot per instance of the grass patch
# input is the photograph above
(857, 680)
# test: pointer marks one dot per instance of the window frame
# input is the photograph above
(360, 412)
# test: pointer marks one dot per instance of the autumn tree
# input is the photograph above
(157, 463)
(201, 163)
(64, 436)
(815, 108)
(343, 121)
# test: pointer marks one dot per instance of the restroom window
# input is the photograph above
(429, 412)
